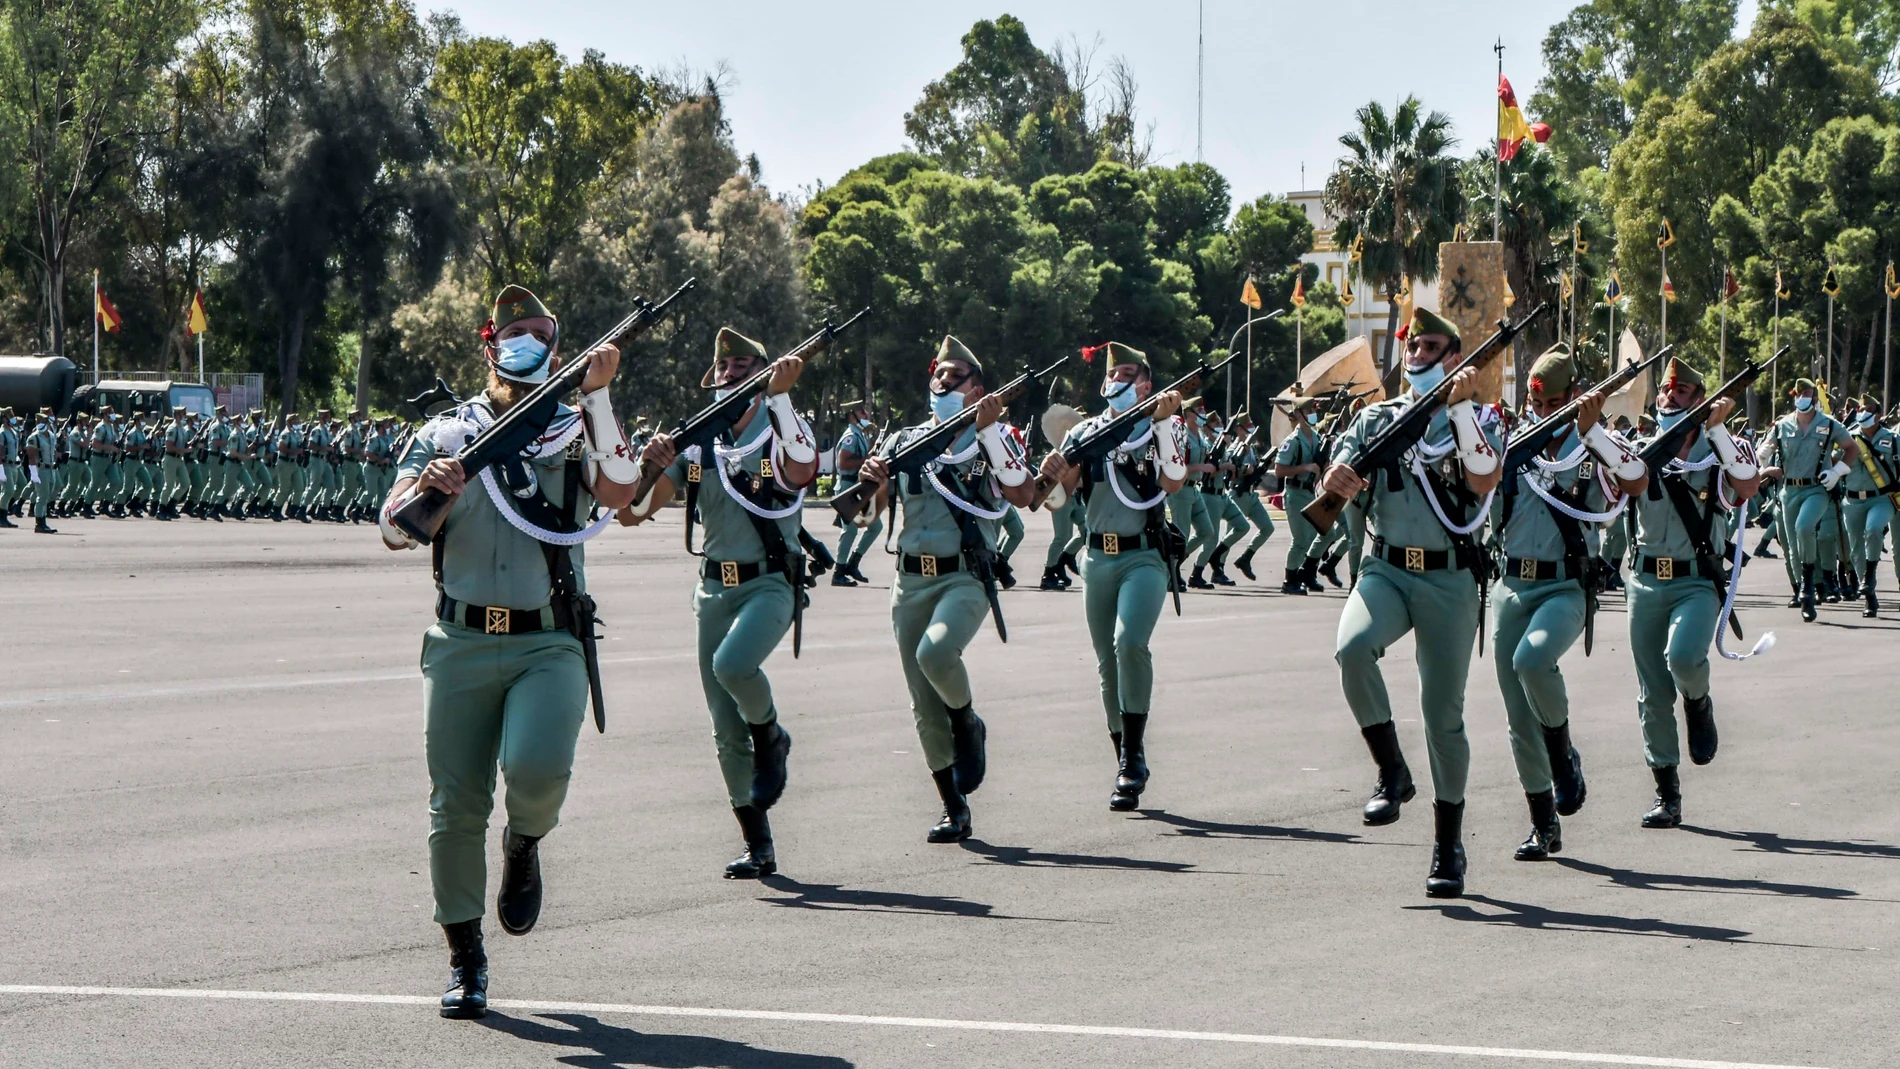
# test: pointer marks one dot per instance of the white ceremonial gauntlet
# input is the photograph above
(1734, 463)
(1005, 463)
(393, 536)
(607, 446)
(1615, 453)
(1476, 453)
(1168, 450)
(794, 437)
(644, 506)
(1835, 474)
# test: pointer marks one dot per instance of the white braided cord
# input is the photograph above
(539, 534)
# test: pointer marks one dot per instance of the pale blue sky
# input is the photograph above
(823, 86)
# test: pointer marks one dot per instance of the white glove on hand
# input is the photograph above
(1835, 474)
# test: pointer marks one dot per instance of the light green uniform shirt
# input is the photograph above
(485, 560)
(1405, 517)
(1300, 447)
(1803, 454)
(43, 443)
(1884, 447)
(1532, 533)
(9, 446)
(1659, 530)
(928, 524)
(179, 436)
(729, 533)
(103, 433)
(1104, 511)
(320, 438)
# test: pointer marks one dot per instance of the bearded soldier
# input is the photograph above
(1124, 577)
(505, 678)
(854, 448)
(951, 512)
(750, 493)
(1546, 535)
(1867, 505)
(1797, 453)
(1414, 580)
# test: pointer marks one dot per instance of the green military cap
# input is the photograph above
(729, 342)
(1553, 373)
(1119, 354)
(291, 415)
(1802, 384)
(952, 349)
(1426, 321)
(105, 409)
(853, 406)
(515, 303)
(1191, 403)
(1680, 371)
(178, 409)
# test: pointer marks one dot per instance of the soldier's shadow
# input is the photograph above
(1769, 842)
(1663, 881)
(609, 1046)
(1540, 918)
(1196, 828)
(1025, 857)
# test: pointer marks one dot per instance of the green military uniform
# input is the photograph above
(320, 442)
(1300, 447)
(177, 478)
(349, 464)
(854, 541)
(12, 482)
(103, 476)
(74, 470)
(1810, 534)
(1067, 536)
(196, 465)
(1245, 494)
(44, 476)
(1867, 504)
(1229, 522)
(239, 484)
(216, 445)
(293, 470)
(262, 465)
(136, 486)
(1187, 505)
(377, 472)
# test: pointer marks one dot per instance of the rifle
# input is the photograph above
(1405, 431)
(422, 511)
(1214, 457)
(910, 459)
(435, 399)
(1521, 451)
(703, 427)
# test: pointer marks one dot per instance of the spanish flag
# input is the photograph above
(195, 321)
(1299, 290)
(1513, 130)
(107, 315)
(1893, 284)
(1250, 296)
(1781, 290)
(1730, 287)
(1668, 288)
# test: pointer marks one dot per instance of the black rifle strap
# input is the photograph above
(1699, 522)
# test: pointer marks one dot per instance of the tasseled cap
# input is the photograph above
(1680, 371)
(1802, 384)
(952, 349)
(1426, 321)
(513, 303)
(729, 343)
(1553, 373)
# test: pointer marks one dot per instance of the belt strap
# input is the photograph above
(1862, 495)
(1667, 568)
(1113, 544)
(1412, 558)
(1539, 570)
(1804, 482)
(731, 573)
(494, 620)
(929, 565)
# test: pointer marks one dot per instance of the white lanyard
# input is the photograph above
(539, 534)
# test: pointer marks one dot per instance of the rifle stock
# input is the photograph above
(1663, 448)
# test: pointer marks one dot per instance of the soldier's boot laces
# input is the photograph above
(467, 996)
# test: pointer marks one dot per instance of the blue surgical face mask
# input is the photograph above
(1425, 380)
(1312, 419)
(1865, 419)
(1667, 419)
(1802, 404)
(1120, 395)
(523, 358)
(945, 405)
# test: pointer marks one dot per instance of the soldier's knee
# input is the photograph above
(733, 667)
(1528, 659)
(937, 659)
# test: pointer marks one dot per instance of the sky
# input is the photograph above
(821, 86)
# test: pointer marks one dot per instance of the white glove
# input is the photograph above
(393, 536)
(1006, 463)
(33, 474)
(607, 446)
(1835, 474)
(1615, 453)
(1734, 463)
(1168, 449)
(794, 437)
(1473, 450)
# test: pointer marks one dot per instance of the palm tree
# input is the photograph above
(1541, 207)
(1398, 188)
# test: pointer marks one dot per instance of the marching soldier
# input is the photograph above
(1298, 464)
(10, 449)
(238, 485)
(75, 466)
(1186, 505)
(103, 478)
(1124, 577)
(1249, 466)
(1867, 508)
(750, 494)
(319, 445)
(1797, 453)
(135, 487)
(42, 470)
(854, 448)
(1228, 522)
(293, 459)
(177, 487)
(1067, 537)
(1415, 576)
(377, 451)
(195, 464)
(505, 677)
(937, 604)
(349, 463)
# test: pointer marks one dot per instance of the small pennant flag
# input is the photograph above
(1358, 248)
(1348, 296)
(1299, 290)
(1404, 299)
(1576, 239)
(1730, 287)
(1250, 296)
(1510, 298)
(1665, 235)
(107, 315)
(1566, 285)
(1893, 284)
(1613, 292)
(1831, 284)
(195, 321)
(1781, 291)
(1668, 288)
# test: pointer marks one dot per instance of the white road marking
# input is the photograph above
(1105, 1031)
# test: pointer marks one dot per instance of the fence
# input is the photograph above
(236, 391)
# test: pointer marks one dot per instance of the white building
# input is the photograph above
(1366, 316)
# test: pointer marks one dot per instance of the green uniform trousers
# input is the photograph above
(1672, 622)
(1010, 539)
(1355, 520)
(513, 701)
(1122, 596)
(321, 476)
(1070, 530)
(104, 479)
(1228, 518)
(211, 489)
(349, 482)
(46, 491)
(177, 482)
(1190, 514)
(935, 617)
(1867, 523)
(239, 484)
(292, 481)
(75, 478)
(1303, 534)
(1809, 513)
(195, 477)
(1441, 610)
(1535, 623)
(863, 539)
(1252, 508)
(739, 627)
(137, 484)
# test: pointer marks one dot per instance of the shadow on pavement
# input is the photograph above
(609, 1046)
(1194, 827)
(1662, 881)
(1524, 915)
(1769, 842)
(1028, 858)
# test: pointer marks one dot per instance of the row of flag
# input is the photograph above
(110, 320)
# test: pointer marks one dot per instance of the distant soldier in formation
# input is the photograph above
(854, 448)
(1298, 464)
(1867, 498)
(1250, 466)
(11, 452)
(42, 470)
(1797, 454)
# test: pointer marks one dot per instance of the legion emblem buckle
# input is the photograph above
(497, 621)
(765, 468)
(1414, 559)
(929, 564)
(729, 572)
(1527, 569)
(1665, 568)
(692, 473)
(1111, 543)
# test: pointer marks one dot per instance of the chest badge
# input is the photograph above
(692, 473)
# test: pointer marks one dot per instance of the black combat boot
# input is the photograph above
(1394, 785)
(1873, 601)
(1763, 549)
(1131, 774)
(1067, 563)
(758, 859)
(1699, 714)
(4, 521)
(213, 511)
(1005, 575)
(1293, 584)
(1196, 581)
(1667, 810)
(1218, 573)
(1309, 574)
(518, 903)
(842, 577)
(303, 513)
(968, 735)
(1830, 588)
(1244, 564)
(40, 527)
(1566, 769)
(851, 566)
(1807, 592)
(954, 826)
(1547, 834)
(771, 746)
(1053, 579)
(1447, 878)
(467, 996)
(85, 509)
(1850, 584)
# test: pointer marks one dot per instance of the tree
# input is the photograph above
(1541, 211)
(1006, 110)
(1398, 188)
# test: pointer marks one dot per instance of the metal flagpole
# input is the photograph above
(1721, 350)
(1497, 160)
(1575, 285)
(1886, 374)
(1828, 361)
(1250, 359)
(1200, 79)
(1663, 295)
(201, 334)
(95, 328)
(1774, 370)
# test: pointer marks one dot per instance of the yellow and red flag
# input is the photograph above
(1250, 296)
(1513, 130)
(1348, 296)
(1781, 291)
(103, 311)
(1665, 235)
(1668, 288)
(195, 321)
(1730, 287)
(1831, 283)
(1893, 283)
(1299, 290)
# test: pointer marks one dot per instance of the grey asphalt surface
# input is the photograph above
(211, 777)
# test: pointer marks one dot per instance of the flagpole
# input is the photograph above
(1828, 362)
(201, 334)
(1664, 295)
(1721, 358)
(1574, 286)
(1497, 159)
(1774, 370)
(1249, 383)
(95, 328)
(1886, 374)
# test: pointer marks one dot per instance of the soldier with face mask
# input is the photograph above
(854, 448)
(10, 451)
(1298, 464)
(1797, 454)
(1867, 498)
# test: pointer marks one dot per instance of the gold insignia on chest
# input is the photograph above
(692, 473)
(765, 468)
(577, 448)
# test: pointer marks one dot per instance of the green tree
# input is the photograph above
(1541, 210)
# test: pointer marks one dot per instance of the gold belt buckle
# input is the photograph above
(1527, 569)
(1111, 543)
(930, 564)
(765, 468)
(1414, 559)
(729, 572)
(1665, 567)
(692, 473)
(497, 621)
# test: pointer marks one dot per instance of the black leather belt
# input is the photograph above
(929, 565)
(1113, 544)
(1802, 482)
(731, 572)
(1412, 558)
(1667, 568)
(493, 620)
(1539, 570)
(1862, 495)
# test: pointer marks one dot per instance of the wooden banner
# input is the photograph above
(1471, 295)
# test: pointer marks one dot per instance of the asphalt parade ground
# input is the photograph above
(213, 810)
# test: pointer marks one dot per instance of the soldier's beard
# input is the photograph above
(504, 392)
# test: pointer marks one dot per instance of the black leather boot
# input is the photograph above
(1566, 769)
(1763, 549)
(1850, 584)
(1218, 572)
(1196, 581)
(1830, 588)
(842, 577)
(954, 826)
(968, 734)
(1807, 592)
(1699, 714)
(1330, 566)
(1131, 774)
(1873, 601)
(1244, 564)
(1309, 574)
(759, 858)
(851, 566)
(1053, 579)
(771, 746)
(467, 996)
(1447, 878)
(1547, 835)
(1293, 583)
(1394, 785)
(1666, 812)
(1005, 575)
(5, 521)
(518, 903)
(40, 526)
(1068, 564)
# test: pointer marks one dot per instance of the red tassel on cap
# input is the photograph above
(1089, 351)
